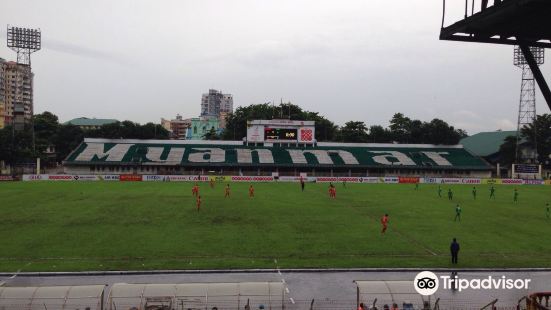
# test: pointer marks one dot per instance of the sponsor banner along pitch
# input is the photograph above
(199, 178)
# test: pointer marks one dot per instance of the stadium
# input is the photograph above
(233, 158)
(149, 189)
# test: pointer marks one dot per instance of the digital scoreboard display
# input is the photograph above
(280, 134)
(525, 168)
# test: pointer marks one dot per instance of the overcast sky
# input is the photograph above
(348, 59)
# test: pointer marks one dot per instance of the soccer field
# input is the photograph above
(66, 226)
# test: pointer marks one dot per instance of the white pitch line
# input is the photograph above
(284, 283)
(10, 278)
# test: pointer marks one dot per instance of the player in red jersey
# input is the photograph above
(251, 191)
(198, 203)
(384, 222)
(195, 190)
(332, 191)
(227, 191)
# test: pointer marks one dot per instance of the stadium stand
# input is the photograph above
(97, 156)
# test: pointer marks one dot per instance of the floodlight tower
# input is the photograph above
(527, 104)
(24, 42)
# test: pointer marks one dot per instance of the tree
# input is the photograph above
(68, 137)
(153, 131)
(236, 122)
(16, 146)
(378, 134)
(354, 131)
(211, 135)
(406, 130)
(400, 128)
(45, 134)
(507, 151)
(417, 132)
(540, 137)
(129, 130)
(326, 130)
(439, 132)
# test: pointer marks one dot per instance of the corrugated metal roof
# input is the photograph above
(84, 121)
(486, 143)
(199, 294)
(389, 292)
(52, 297)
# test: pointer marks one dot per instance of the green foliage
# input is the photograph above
(536, 134)
(507, 151)
(236, 123)
(129, 130)
(541, 137)
(378, 134)
(437, 131)
(62, 226)
(17, 147)
(211, 135)
(402, 129)
(67, 139)
(354, 132)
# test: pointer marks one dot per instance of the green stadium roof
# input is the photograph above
(486, 143)
(84, 121)
(234, 153)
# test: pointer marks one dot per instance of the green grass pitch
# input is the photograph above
(72, 226)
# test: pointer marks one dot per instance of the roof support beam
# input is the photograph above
(537, 73)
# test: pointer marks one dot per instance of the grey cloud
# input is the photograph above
(82, 51)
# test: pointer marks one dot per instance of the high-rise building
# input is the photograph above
(16, 92)
(178, 127)
(200, 126)
(215, 102)
(2, 94)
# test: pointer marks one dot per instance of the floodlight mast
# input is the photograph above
(527, 104)
(24, 42)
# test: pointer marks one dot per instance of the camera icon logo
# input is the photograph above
(426, 283)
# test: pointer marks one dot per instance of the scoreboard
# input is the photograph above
(282, 131)
(526, 168)
(279, 134)
(529, 171)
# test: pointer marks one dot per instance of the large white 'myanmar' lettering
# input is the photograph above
(297, 156)
(116, 153)
(174, 157)
(401, 158)
(322, 156)
(245, 156)
(438, 158)
(216, 155)
(346, 157)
